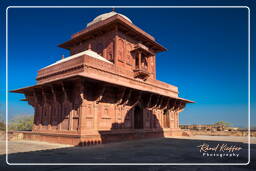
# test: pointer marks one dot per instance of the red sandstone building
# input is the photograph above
(106, 90)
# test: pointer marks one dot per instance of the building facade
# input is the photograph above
(106, 90)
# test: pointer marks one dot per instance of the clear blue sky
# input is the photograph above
(206, 58)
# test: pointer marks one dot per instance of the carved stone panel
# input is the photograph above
(89, 111)
(129, 58)
(110, 51)
(120, 51)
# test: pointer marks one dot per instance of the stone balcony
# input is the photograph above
(141, 73)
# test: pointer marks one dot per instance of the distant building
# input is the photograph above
(209, 127)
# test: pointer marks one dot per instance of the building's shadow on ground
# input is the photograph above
(162, 150)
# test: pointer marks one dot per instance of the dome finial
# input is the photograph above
(106, 16)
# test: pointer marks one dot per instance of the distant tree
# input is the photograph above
(2, 123)
(21, 123)
(2, 118)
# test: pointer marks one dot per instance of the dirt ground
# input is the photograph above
(158, 151)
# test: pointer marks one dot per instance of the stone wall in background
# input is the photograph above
(224, 133)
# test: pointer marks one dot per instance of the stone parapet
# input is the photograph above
(95, 69)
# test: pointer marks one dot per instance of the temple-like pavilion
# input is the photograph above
(106, 90)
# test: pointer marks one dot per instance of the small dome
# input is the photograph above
(106, 16)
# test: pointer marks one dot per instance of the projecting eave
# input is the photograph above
(30, 89)
(185, 100)
(24, 89)
(124, 25)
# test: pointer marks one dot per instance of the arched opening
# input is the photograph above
(138, 117)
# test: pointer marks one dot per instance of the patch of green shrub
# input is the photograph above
(21, 123)
(2, 124)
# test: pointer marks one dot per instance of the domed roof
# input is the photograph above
(106, 16)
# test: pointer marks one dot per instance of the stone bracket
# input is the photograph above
(101, 93)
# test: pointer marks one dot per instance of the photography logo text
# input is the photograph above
(219, 150)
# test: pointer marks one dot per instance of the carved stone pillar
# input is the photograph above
(177, 120)
(154, 67)
(55, 108)
(46, 110)
(144, 118)
(48, 104)
(181, 106)
(149, 101)
(132, 118)
(82, 114)
(172, 119)
(95, 115)
(116, 45)
(151, 120)
(66, 110)
(32, 100)
(139, 59)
